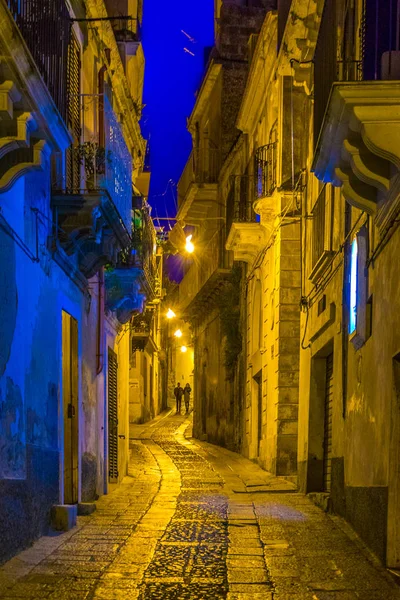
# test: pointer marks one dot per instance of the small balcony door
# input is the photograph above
(70, 406)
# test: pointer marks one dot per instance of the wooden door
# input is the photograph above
(112, 417)
(70, 406)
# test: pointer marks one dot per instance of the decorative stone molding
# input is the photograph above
(265, 207)
(90, 227)
(246, 240)
(20, 161)
(123, 292)
(358, 146)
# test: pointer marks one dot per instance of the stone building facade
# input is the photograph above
(307, 197)
(72, 273)
(206, 287)
(349, 415)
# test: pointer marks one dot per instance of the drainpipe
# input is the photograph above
(100, 85)
(100, 276)
(100, 317)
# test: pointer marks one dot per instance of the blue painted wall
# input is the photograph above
(32, 294)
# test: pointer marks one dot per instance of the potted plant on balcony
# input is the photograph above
(93, 157)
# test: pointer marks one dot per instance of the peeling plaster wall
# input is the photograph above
(32, 297)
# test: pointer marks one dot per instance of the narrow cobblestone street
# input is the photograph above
(193, 521)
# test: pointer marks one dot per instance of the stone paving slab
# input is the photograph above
(196, 522)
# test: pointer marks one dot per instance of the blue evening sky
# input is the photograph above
(172, 77)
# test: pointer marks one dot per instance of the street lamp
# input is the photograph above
(183, 349)
(189, 244)
(178, 333)
(170, 314)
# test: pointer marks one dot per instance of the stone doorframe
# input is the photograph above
(316, 419)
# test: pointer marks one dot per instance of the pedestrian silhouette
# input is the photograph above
(186, 396)
(178, 393)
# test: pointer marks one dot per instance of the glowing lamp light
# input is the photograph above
(353, 286)
(170, 314)
(183, 349)
(178, 333)
(189, 244)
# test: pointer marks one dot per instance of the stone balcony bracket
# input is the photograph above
(358, 147)
(247, 240)
(124, 294)
(90, 228)
(20, 160)
(265, 207)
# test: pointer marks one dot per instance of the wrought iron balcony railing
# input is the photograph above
(100, 158)
(265, 164)
(142, 331)
(126, 29)
(349, 70)
(46, 28)
(239, 203)
(202, 167)
(144, 255)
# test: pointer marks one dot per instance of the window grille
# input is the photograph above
(322, 223)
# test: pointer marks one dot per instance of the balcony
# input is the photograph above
(142, 332)
(31, 128)
(93, 208)
(265, 162)
(124, 295)
(137, 278)
(126, 29)
(358, 146)
(147, 254)
(239, 202)
(212, 264)
(46, 29)
(246, 235)
(198, 185)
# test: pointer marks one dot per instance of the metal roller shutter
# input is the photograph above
(112, 417)
(328, 424)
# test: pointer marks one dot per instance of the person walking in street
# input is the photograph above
(186, 396)
(178, 393)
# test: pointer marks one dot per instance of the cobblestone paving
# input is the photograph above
(187, 524)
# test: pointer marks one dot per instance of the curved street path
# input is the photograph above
(193, 521)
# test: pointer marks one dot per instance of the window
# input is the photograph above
(322, 232)
(359, 311)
